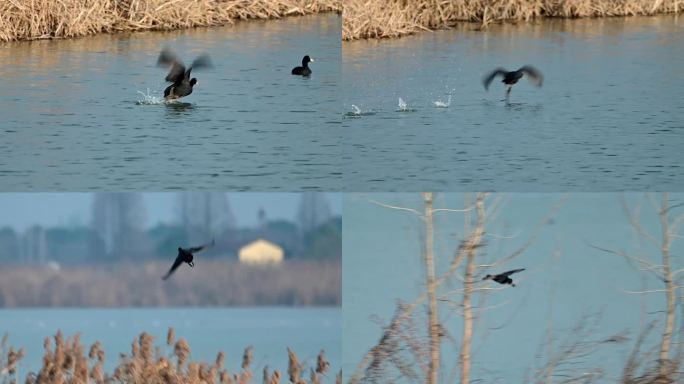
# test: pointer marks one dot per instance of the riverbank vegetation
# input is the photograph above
(65, 361)
(45, 19)
(394, 18)
(209, 283)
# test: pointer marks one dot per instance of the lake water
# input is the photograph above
(208, 331)
(608, 117)
(71, 118)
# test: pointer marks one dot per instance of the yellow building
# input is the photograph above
(261, 252)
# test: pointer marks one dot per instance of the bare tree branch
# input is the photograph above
(475, 240)
(533, 237)
(411, 210)
(634, 221)
(433, 327)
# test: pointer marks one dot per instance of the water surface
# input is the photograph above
(208, 331)
(608, 117)
(71, 121)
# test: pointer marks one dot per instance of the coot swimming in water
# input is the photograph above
(304, 70)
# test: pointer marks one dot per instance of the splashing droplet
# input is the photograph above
(402, 105)
(442, 104)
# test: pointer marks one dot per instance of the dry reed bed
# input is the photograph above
(40, 19)
(394, 18)
(67, 362)
(213, 282)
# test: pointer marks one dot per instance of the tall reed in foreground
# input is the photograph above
(65, 362)
(394, 18)
(40, 19)
(9, 359)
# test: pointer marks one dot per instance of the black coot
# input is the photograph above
(304, 70)
(179, 76)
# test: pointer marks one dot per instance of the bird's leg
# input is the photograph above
(192, 264)
(508, 93)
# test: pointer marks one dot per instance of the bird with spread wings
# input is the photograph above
(504, 278)
(185, 255)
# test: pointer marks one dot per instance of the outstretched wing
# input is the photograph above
(533, 74)
(202, 62)
(176, 264)
(201, 247)
(176, 74)
(169, 58)
(512, 272)
(488, 79)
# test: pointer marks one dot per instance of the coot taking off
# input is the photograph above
(185, 256)
(503, 278)
(179, 75)
(510, 78)
(304, 70)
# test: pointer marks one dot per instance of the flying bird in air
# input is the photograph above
(503, 278)
(185, 255)
(511, 77)
(179, 75)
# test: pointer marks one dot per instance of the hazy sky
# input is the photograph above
(21, 210)
(565, 278)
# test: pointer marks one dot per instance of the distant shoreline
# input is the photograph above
(396, 18)
(213, 283)
(22, 20)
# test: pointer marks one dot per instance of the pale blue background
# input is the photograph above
(382, 263)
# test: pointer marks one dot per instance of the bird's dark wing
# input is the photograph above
(533, 74)
(511, 272)
(201, 247)
(176, 73)
(202, 62)
(168, 58)
(176, 264)
(488, 79)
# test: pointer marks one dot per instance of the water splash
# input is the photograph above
(403, 107)
(442, 104)
(149, 99)
(357, 112)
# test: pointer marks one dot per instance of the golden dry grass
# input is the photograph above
(394, 18)
(65, 361)
(41, 19)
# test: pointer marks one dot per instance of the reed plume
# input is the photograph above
(322, 364)
(68, 363)
(294, 367)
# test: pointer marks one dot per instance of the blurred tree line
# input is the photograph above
(118, 231)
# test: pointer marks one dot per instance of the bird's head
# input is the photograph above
(487, 277)
(180, 249)
(193, 81)
(307, 59)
